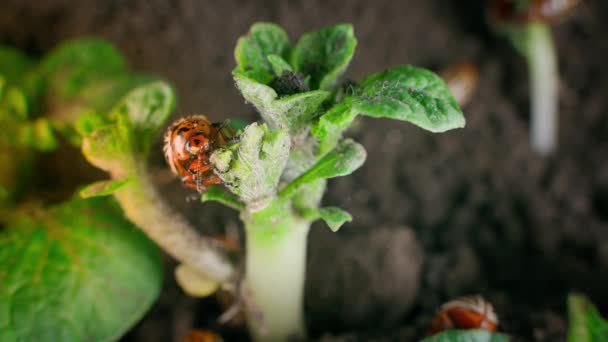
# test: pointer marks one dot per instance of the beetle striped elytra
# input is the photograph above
(534, 10)
(189, 142)
(470, 312)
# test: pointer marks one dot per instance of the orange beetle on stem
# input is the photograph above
(189, 143)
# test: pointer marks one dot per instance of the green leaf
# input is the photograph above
(13, 64)
(103, 188)
(324, 54)
(78, 63)
(4, 193)
(237, 125)
(294, 111)
(279, 65)
(15, 167)
(298, 110)
(106, 149)
(13, 103)
(89, 122)
(409, 94)
(19, 131)
(334, 217)
(252, 50)
(18, 135)
(147, 108)
(99, 96)
(82, 76)
(347, 157)
(251, 168)
(75, 272)
(116, 144)
(586, 324)
(45, 139)
(467, 336)
(258, 94)
(217, 194)
(37, 135)
(329, 127)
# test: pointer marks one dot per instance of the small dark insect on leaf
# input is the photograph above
(289, 83)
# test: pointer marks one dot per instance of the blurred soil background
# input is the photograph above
(435, 216)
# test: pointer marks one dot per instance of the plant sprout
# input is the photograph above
(58, 259)
(585, 322)
(526, 23)
(276, 171)
(73, 270)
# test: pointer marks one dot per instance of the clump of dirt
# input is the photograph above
(365, 281)
(490, 216)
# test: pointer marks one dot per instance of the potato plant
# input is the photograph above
(89, 267)
(276, 171)
(527, 24)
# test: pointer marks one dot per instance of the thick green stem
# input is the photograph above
(145, 207)
(275, 270)
(542, 63)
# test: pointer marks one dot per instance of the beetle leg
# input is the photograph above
(199, 185)
(211, 180)
(224, 130)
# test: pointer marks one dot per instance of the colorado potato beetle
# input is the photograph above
(199, 335)
(533, 10)
(189, 143)
(462, 79)
(472, 312)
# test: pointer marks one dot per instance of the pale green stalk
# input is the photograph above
(145, 207)
(544, 82)
(274, 280)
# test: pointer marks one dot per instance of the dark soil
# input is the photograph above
(486, 214)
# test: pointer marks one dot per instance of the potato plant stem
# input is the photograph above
(145, 207)
(544, 81)
(275, 271)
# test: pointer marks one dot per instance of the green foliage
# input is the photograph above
(21, 135)
(13, 65)
(334, 217)
(143, 111)
(293, 112)
(82, 76)
(324, 54)
(76, 64)
(347, 157)
(321, 115)
(60, 259)
(320, 57)
(252, 51)
(279, 65)
(120, 142)
(467, 336)
(103, 188)
(299, 146)
(329, 127)
(252, 167)
(586, 324)
(55, 262)
(409, 94)
(217, 194)
(75, 272)
(19, 130)
(78, 77)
